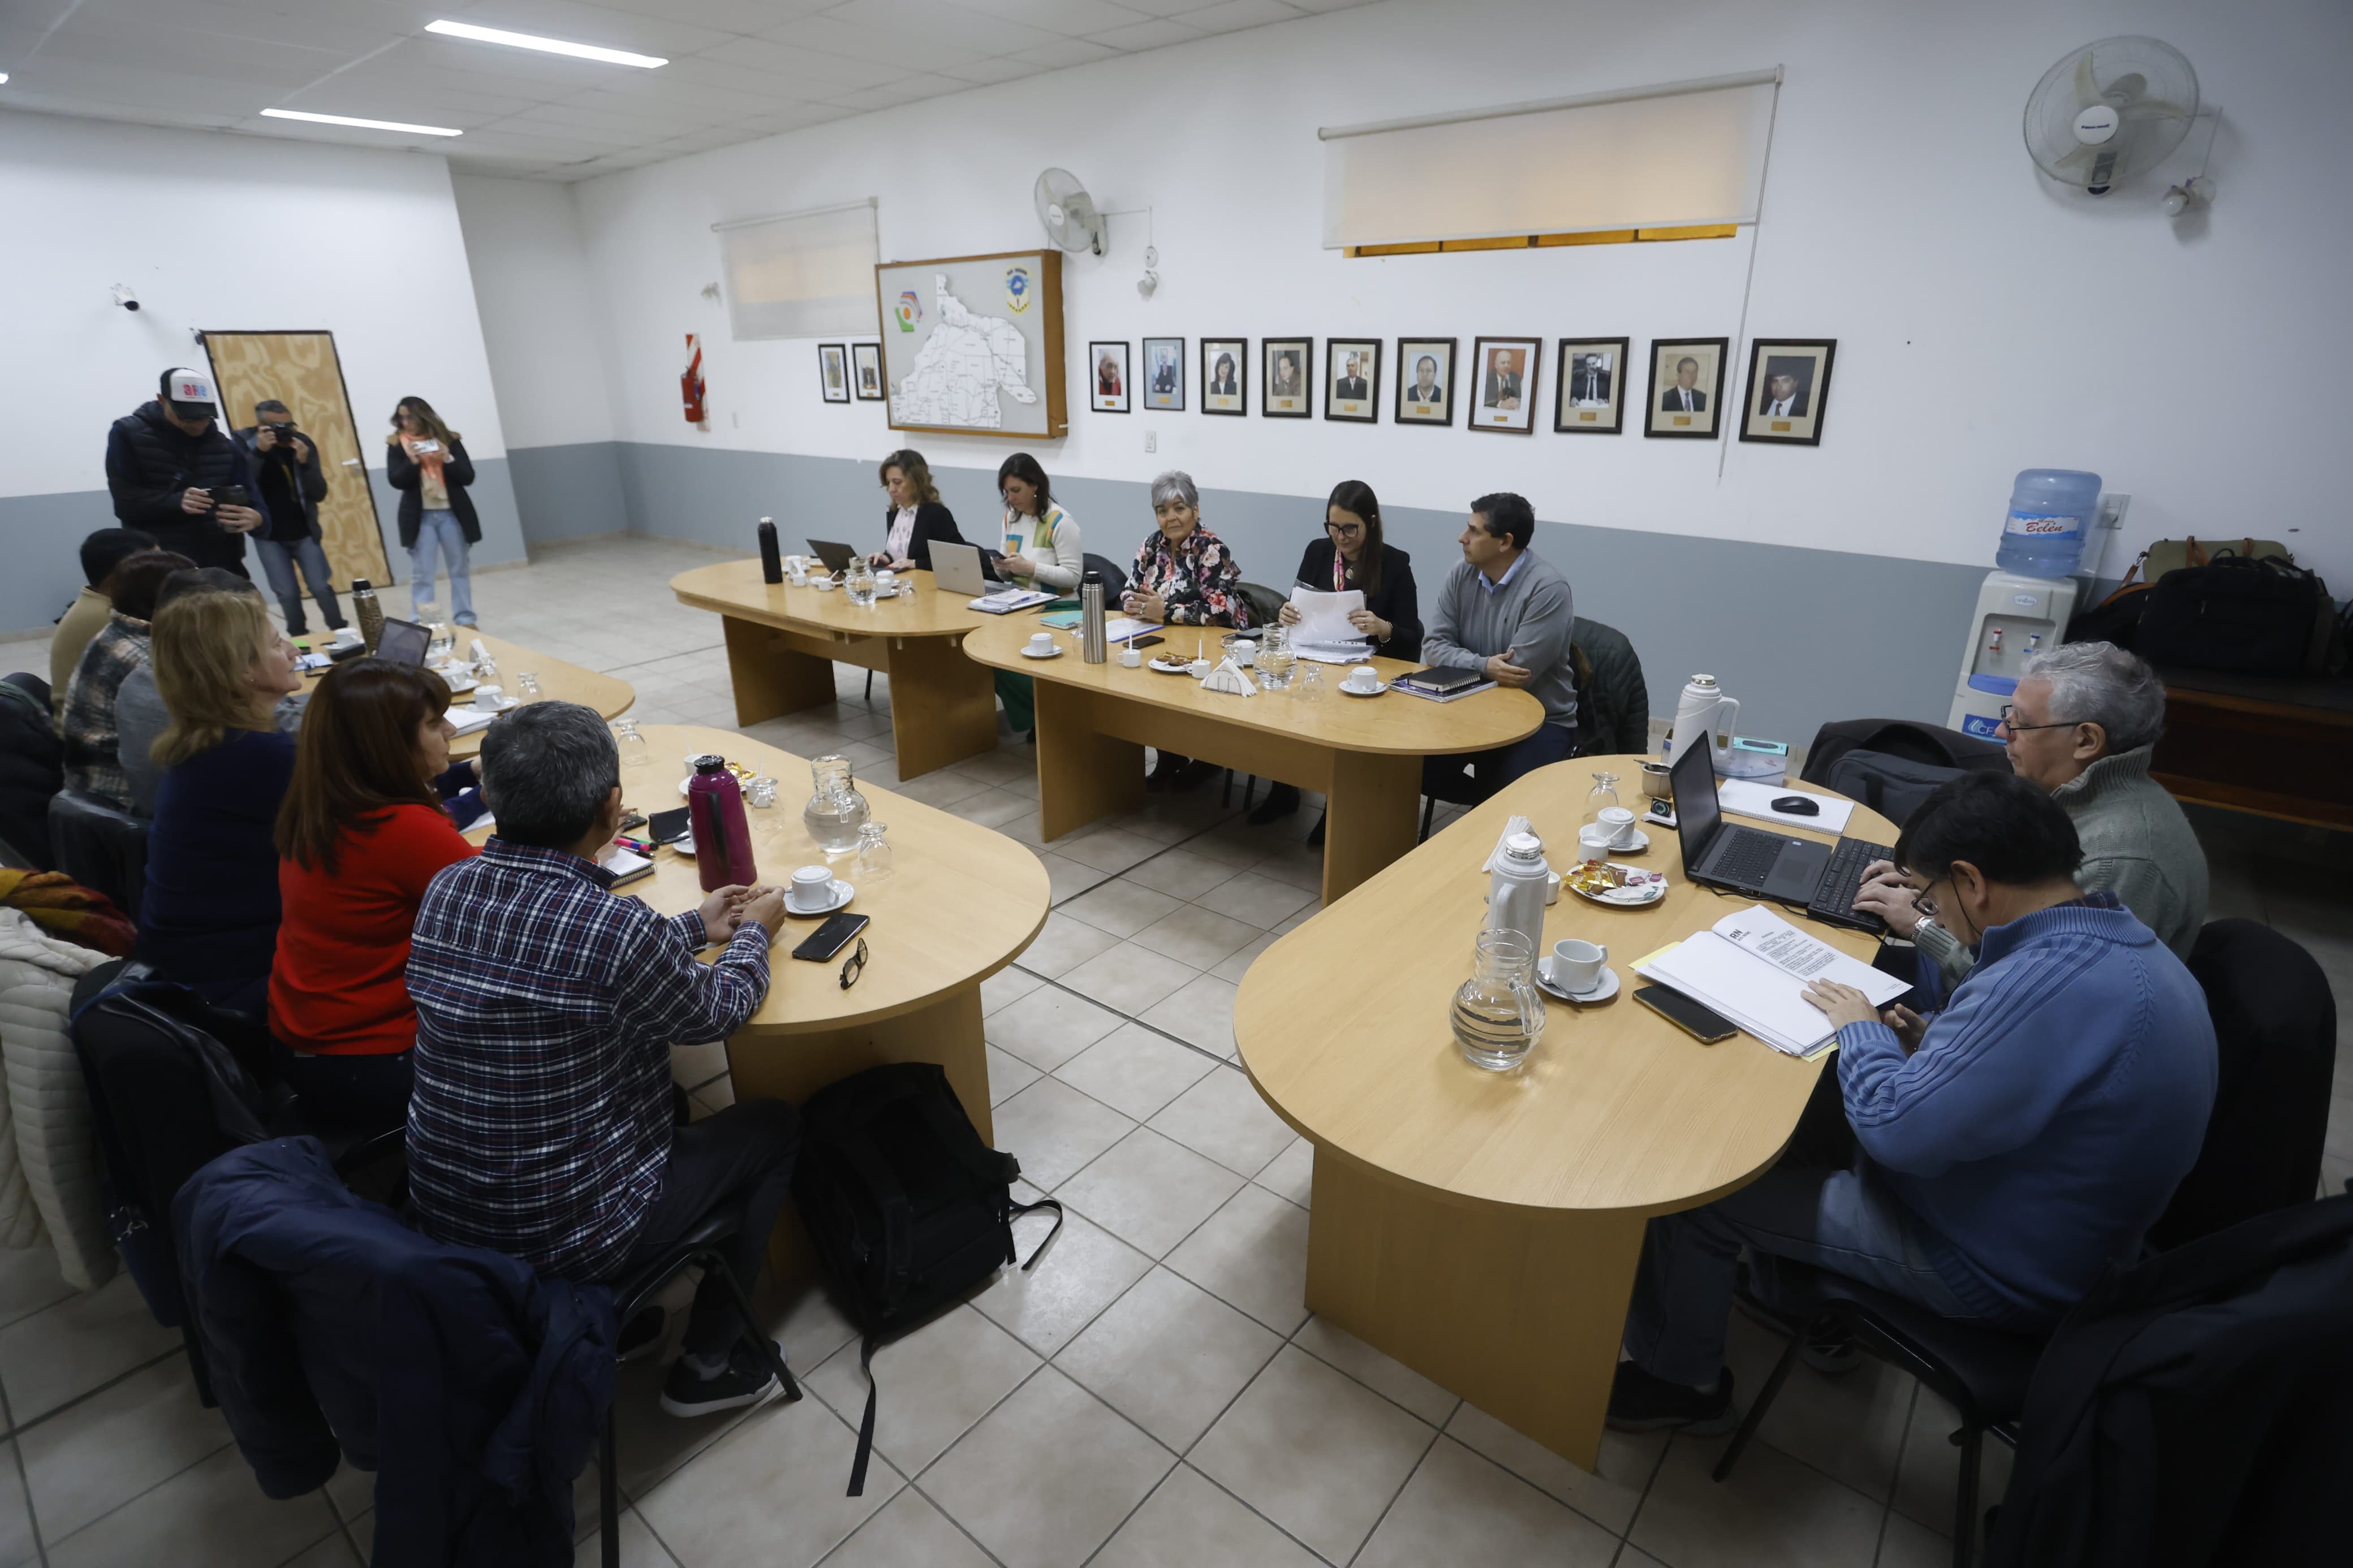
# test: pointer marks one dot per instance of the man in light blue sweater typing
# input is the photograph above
(1505, 613)
(1995, 1157)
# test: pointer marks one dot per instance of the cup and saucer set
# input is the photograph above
(816, 891)
(1577, 972)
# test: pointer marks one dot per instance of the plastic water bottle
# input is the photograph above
(2051, 513)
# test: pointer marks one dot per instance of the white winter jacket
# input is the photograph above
(49, 1164)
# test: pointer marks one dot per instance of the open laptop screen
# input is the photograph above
(403, 642)
(1692, 781)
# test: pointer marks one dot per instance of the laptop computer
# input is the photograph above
(837, 557)
(403, 642)
(963, 568)
(1717, 854)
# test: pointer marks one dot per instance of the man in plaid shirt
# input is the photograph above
(541, 1125)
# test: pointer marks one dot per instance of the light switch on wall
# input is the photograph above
(1151, 440)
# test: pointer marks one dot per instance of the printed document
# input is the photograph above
(1324, 618)
(1752, 967)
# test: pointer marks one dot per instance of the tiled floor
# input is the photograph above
(1153, 1393)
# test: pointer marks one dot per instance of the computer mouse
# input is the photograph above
(1797, 805)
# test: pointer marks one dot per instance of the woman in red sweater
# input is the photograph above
(360, 833)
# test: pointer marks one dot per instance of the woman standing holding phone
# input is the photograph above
(428, 465)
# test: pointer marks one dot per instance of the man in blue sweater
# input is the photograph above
(1996, 1156)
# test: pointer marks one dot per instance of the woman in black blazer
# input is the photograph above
(916, 515)
(1352, 555)
(426, 461)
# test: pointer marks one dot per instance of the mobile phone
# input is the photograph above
(1145, 642)
(1702, 1024)
(630, 819)
(831, 938)
(667, 827)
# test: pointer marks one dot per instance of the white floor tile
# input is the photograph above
(1391, 1379)
(1251, 1254)
(1129, 978)
(909, 1533)
(66, 1349)
(91, 1457)
(1195, 936)
(1121, 906)
(1189, 1523)
(933, 1384)
(1258, 900)
(1083, 1271)
(1223, 1116)
(17, 1546)
(1170, 1357)
(29, 1279)
(1850, 1425)
(1200, 1012)
(1100, 1469)
(1148, 1191)
(1062, 945)
(1007, 985)
(1009, 1074)
(1135, 1070)
(1607, 1497)
(1054, 1131)
(1463, 1510)
(1066, 879)
(1110, 849)
(770, 1492)
(1292, 1173)
(639, 1547)
(1773, 1512)
(1050, 1026)
(208, 1516)
(1931, 1466)
(1181, 873)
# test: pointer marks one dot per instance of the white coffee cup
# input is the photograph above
(1620, 824)
(490, 699)
(812, 886)
(1200, 669)
(886, 581)
(1363, 678)
(1576, 965)
(1244, 650)
(1131, 655)
(1552, 888)
(1042, 642)
(1594, 839)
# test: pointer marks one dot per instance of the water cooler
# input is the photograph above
(2051, 540)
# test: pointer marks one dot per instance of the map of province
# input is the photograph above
(965, 364)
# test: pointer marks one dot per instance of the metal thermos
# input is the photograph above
(367, 612)
(772, 560)
(1092, 647)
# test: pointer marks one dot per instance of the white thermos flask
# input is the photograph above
(1092, 647)
(1516, 891)
(1697, 715)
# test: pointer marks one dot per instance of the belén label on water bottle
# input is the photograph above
(2042, 523)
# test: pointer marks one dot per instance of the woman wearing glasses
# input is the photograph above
(1352, 555)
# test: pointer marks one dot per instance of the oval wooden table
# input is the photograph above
(960, 903)
(1484, 1227)
(783, 643)
(563, 681)
(1362, 753)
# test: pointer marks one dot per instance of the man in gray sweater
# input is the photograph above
(1505, 613)
(2082, 724)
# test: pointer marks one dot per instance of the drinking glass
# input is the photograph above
(632, 744)
(760, 792)
(1310, 682)
(1604, 795)
(1274, 659)
(873, 853)
(858, 582)
(527, 687)
(440, 643)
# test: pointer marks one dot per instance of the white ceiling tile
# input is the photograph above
(344, 37)
(1329, 4)
(1156, 34)
(832, 36)
(581, 24)
(943, 23)
(984, 72)
(722, 16)
(764, 65)
(1071, 18)
(1170, 7)
(1064, 53)
(1235, 14)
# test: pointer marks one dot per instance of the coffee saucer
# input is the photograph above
(837, 893)
(1368, 691)
(1026, 653)
(1602, 991)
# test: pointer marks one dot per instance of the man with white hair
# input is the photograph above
(2082, 724)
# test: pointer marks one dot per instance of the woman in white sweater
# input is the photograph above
(1041, 550)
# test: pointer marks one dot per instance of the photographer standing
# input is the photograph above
(293, 484)
(172, 473)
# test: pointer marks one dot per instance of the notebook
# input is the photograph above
(1752, 967)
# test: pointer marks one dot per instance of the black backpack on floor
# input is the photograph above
(908, 1208)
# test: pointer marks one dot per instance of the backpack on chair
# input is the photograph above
(908, 1208)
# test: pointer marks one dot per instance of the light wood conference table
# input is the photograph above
(1484, 1227)
(783, 643)
(559, 681)
(960, 903)
(1364, 753)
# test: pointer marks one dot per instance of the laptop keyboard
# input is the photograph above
(1834, 894)
(1748, 860)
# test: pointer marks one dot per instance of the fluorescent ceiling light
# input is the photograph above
(4, 77)
(363, 124)
(547, 45)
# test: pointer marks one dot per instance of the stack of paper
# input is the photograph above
(465, 720)
(1746, 797)
(1752, 967)
(1008, 599)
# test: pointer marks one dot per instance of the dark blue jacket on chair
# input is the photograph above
(474, 1388)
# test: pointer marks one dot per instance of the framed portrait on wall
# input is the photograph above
(866, 358)
(1425, 374)
(1164, 374)
(1289, 362)
(1352, 379)
(1788, 390)
(1591, 397)
(1107, 377)
(833, 372)
(1686, 387)
(1225, 375)
(1504, 396)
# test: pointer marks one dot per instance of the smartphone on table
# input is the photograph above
(1702, 1024)
(832, 937)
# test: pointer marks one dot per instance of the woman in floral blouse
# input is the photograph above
(1185, 576)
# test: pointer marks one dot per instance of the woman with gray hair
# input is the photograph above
(1184, 576)
(2083, 724)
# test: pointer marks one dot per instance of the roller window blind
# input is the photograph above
(803, 275)
(1679, 156)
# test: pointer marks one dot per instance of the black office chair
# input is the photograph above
(1115, 581)
(1983, 1372)
(1456, 788)
(103, 847)
(630, 1296)
(30, 772)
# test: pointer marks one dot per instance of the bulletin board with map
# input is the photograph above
(973, 345)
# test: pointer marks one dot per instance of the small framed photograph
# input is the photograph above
(1425, 381)
(833, 364)
(1164, 374)
(867, 360)
(1506, 399)
(1225, 375)
(1591, 399)
(1686, 387)
(1288, 363)
(1352, 379)
(1107, 377)
(1789, 389)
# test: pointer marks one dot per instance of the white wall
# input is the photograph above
(1985, 323)
(539, 309)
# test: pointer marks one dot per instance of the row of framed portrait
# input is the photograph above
(1784, 401)
(841, 368)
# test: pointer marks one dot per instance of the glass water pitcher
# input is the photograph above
(836, 811)
(1498, 1013)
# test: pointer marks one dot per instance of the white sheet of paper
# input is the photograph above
(1752, 967)
(1324, 618)
(1746, 797)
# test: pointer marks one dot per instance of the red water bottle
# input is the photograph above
(722, 842)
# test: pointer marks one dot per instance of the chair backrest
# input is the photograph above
(1613, 709)
(2275, 1031)
(1265, 604)
(1926, 744)
(101, 846)
(1115, 581)
(31, 770)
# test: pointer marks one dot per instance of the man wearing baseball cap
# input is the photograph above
(174, 473)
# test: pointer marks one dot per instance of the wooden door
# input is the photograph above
(301, 371)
